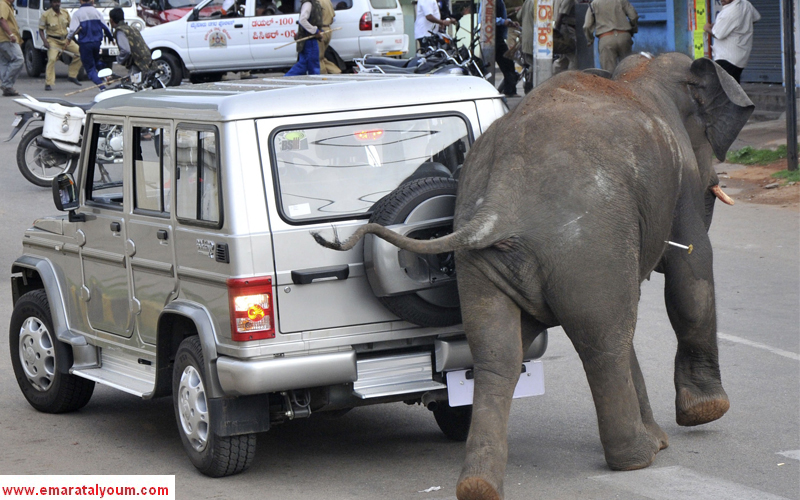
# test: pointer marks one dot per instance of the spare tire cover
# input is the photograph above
(416, 201)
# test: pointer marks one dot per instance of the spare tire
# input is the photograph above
(415, 201)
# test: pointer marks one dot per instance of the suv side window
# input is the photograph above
(197, 176)
(105, 182)
(151, 169)
(340, 171)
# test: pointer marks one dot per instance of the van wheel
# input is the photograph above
(433, 307)
(41, 361)
(172, 69)
(213, 455)
(34, 60)
(453, 421)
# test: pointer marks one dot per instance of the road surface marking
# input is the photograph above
(773, 350)
(679, 483)
(794, 454)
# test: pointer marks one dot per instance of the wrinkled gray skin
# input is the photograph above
(564, 207)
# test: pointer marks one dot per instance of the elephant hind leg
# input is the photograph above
(644, 404)
(493, 327)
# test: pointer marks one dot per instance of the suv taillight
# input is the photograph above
(365, 24)
(252, 315)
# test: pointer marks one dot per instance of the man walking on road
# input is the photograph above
(733, 35)
(53, 28)
(88, 24)
(10, 52)
(613, 22)
(310, 25)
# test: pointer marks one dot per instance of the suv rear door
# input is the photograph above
(322, 175)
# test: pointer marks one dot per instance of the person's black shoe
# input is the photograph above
(48, 87)
(10, 92)
(75, 81)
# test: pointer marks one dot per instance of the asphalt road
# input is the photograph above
(397, 451)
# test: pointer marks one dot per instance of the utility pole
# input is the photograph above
(788, 69)
(488, 30)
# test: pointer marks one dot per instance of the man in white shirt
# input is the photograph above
(733, 34)
(428, 18)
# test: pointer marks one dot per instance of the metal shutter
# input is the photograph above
(650, 10)
(766, 61)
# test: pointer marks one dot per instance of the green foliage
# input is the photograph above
(793, 176)
(751, 156)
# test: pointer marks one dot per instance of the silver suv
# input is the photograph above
(185, 264)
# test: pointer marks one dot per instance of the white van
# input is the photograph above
(30, 11)
(203, 45)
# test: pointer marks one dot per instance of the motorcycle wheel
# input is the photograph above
(40, 165)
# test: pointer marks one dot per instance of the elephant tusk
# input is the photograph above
(719, 193)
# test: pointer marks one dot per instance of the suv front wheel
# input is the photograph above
(213, 455)
(37, 356)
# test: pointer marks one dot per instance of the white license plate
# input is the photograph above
(388, 26)
(16, 121)
(113, 51)
(460, 388)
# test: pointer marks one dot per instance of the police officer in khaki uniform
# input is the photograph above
(328, 13)
(11, 60)
(613, 22)
(53, 27)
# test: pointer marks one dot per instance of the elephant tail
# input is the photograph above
(474, 235)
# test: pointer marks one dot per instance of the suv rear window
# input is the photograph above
(341, 171)
(383, 4)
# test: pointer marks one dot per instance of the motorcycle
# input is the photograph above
(53, 147)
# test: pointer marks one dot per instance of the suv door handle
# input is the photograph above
(387, 18)
(238, 25)
(115, 227)
(306, 276)
(162, 234)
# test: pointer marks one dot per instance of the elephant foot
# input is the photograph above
(476, 488)
(639, 455)
(658, 434)
(692, 409)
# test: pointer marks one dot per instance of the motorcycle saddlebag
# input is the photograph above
(63, 123)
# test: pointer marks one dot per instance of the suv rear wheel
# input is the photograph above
(37, 356)
(453, 421)
(213, 455)
(435, 306)
(34, 59)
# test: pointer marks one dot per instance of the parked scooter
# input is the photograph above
(54, 147)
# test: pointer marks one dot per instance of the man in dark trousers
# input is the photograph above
(87, 23)
(310, 25)
(505, 64)
(134, 53)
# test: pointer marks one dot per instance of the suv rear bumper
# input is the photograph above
(239, 377)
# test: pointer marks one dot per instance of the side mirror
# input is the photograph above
(65, 195)
(105, 73)
(156, 54)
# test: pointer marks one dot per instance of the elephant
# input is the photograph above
(564, 207)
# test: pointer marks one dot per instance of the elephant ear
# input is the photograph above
(722, 104)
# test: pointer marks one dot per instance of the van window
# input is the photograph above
(151, 169)
(341, 171)
(105, 182)
(197, 177)
(383, 4)
(342, 4)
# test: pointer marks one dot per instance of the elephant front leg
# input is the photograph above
(689, 293)
(492, 323)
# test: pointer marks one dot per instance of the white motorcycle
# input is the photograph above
(54, 147)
